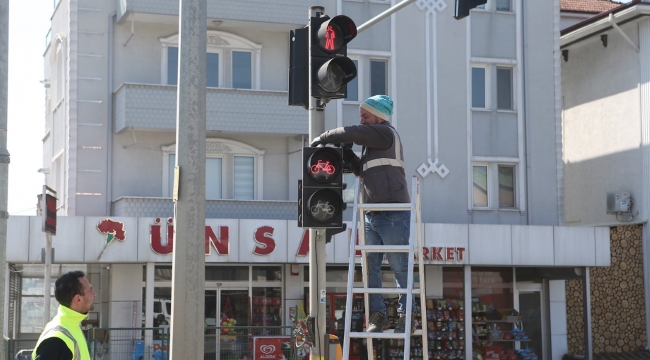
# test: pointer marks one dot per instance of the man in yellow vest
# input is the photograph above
(62, 338)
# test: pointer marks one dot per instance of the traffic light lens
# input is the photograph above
(323, 167)
(330, 37)
(324, 205)
(331, 77)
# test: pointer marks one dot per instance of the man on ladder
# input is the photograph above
(381, 168)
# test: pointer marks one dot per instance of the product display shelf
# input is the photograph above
(266, 311)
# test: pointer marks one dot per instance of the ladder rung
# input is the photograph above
(383, 248)
(387, 334)
(383, 291)
(385, 207)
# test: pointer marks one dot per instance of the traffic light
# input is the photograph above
(464, 6)
(331, 69)
(320, 193)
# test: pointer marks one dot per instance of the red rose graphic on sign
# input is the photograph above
(113, 230)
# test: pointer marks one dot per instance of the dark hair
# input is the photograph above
(67, 286)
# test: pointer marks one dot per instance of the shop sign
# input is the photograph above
(270, 347)
(443, 253)
(112, 230)
(263, 236)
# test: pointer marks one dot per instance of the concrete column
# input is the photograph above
(188, 279)
(4, 155)
(557, 306)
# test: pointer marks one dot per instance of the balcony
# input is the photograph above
(153, 107)
(128, 206)
(277, 11)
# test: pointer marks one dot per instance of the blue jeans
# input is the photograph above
(387, 228)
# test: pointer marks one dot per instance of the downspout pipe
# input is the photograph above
(623, 34)
(109, 120)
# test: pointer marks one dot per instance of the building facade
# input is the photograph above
(477, 106)
(605, 127)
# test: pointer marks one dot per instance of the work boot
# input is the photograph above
(400, 326)
(377, 323)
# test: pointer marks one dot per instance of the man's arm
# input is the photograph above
(53, 349)
(374, 136)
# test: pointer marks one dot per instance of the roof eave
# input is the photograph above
(593, 27)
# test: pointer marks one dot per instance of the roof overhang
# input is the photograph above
(601, 23)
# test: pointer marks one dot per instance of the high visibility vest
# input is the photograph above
(66, 326)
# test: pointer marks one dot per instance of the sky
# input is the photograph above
(28, 25)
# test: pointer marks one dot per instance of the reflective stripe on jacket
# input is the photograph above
(66, 326)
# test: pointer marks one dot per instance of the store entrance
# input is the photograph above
(531, 308)
(224, 308)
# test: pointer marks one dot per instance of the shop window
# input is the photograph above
(162, 273)
(267, 308)
(231, 170)
(222, 48)
(348, 193)
(32, 304)
(226, 273)
(267, 273)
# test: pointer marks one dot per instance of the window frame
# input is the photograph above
(222, 43)
(493, 191)
(510, 8)
(226, 150)
(488, 86)
(386, 61)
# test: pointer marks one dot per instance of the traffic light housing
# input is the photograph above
(331, 69)
(299, 67)
(320, 193)
(464, 6)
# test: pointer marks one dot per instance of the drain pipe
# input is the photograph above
(623, 34)
(132, 30)
(109, 120)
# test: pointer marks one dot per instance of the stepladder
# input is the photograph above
(412, 342)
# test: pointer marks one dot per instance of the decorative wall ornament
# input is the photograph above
(431, 5)
(432, 164)
(217, 41)
(212, 147)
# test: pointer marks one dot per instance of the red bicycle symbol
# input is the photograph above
(323, 166)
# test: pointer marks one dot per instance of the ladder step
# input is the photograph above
(387, 334)
(385, 207)
(383, 291)
(383, 248)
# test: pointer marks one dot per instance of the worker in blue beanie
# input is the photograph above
(381, 168)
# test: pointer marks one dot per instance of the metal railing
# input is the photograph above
(220, 343)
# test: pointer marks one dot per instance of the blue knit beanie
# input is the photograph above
(379, 105)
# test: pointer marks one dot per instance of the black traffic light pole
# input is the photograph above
(317, 258)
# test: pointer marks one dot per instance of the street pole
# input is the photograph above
(317, 286)
(47, 275)
(4, 156)
(383, 15)
(188, 278)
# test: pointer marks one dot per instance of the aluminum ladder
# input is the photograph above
(415, 234)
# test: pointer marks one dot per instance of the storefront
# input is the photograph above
(256, 274)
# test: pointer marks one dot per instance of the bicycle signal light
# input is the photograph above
(320, 195)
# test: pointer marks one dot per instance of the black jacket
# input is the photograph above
(53, 349)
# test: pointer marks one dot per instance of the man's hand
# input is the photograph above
(316, 142)
(348, 154)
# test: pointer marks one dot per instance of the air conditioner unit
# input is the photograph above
(619, 203)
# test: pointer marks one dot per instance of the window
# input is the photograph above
(506, 186)
(348, 193)
(353, 86)
(241, 70)
(243, 55)
(32, 304)
(503, 5)
(478, 88)
(378, 77)
(480, 186)
(504, 88)
(504, 178)
(231, 170)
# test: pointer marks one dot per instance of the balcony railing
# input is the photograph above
(222, 209)
(151, 107)
(277, 11)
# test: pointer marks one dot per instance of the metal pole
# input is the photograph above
(47, 274)
(188, 278)
(4, 155)
(383, 15)
(586, 315)
(317, 287)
